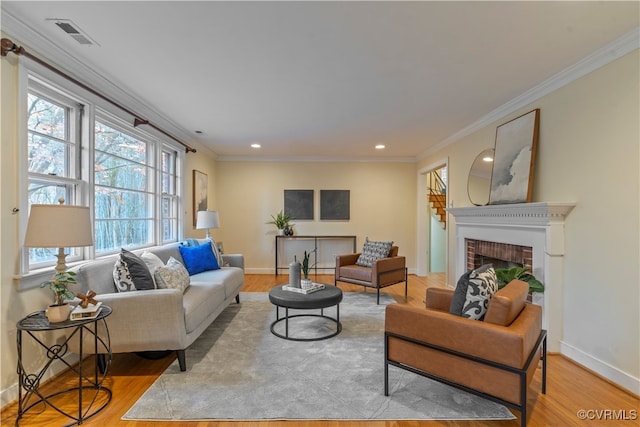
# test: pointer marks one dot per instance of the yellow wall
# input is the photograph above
(588, 153)
(382, 195)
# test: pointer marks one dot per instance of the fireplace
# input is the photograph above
(528, 234)
(501, 255)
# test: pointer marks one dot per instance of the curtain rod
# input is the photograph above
(9, 46)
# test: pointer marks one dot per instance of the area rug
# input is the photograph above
(238, 370)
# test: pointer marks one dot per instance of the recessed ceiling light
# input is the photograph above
(255, 145)
(380, 147)
(487, 159)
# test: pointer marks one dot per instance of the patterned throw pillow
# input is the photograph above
(130, 273)
(373, 251)
(473, 292)
(172, 276)
(121, 276)
(138, 270)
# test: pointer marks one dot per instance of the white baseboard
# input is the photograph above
(607, 371)
(10, 394)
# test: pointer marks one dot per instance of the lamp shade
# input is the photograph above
(58, 226)
(207, 219)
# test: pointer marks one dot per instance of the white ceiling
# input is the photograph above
(323, 79)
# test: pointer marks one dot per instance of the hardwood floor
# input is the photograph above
(570, 388)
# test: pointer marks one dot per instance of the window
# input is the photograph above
(169, 196)
(122, 182)
(52, 135)
(129, 178)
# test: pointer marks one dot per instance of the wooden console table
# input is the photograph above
(316, 240)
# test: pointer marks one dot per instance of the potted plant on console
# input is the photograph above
(281, 220)
(59, 310)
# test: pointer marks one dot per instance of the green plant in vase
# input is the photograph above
(281, 220)
(506, 275)
(59, 285)
(306, 266)
(59, 310)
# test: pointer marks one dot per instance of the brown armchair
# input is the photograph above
(494, 358)
(384, 272)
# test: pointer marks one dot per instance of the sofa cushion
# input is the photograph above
(199, 301)
(198, 258)
(473, 292)
(373, 251)
(231, 279)
(138, 270)
(356, 272)
(172, 276)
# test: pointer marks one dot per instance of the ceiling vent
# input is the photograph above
(74, 31)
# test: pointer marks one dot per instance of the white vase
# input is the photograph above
(280, 231)
(57, 313)
(306, 283)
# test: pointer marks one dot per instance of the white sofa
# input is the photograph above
(160, 319)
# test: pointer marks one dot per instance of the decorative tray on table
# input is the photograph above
(315, 287)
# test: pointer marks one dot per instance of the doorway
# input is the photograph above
(432, 218)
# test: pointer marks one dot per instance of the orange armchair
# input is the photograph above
(495, 358)
(384, 272)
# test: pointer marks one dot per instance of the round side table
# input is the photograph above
(29, 394)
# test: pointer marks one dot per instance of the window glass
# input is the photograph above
(123, 208)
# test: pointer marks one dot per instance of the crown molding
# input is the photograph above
(41, 46)
(599, 58)
(301, 159)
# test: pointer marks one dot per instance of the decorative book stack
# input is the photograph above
(90, 312)
(315, 287)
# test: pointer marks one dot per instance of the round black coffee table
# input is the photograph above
(327, 297)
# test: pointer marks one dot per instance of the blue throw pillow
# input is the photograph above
(198, 258)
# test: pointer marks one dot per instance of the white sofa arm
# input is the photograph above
(152, 319)
(234, 260)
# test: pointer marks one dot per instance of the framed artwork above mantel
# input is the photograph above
(514, 159)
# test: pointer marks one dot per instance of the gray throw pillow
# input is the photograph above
(138, 270)
(473, 292)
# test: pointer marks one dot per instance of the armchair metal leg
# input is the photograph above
(406, 282)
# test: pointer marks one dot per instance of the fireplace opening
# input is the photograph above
(501, 255)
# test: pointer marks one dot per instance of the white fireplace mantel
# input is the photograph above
(532, 214)
(538, 225)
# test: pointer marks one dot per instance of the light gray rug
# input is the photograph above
(238, 370)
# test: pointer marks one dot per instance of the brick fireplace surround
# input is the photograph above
(530, 233)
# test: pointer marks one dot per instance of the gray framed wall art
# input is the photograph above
(298, 204)
(335, 205)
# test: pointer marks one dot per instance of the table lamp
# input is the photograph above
(58, 226)
(207, 219)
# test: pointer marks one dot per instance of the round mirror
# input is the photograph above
(479, 183)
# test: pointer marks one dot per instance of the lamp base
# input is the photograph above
(61, 267)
